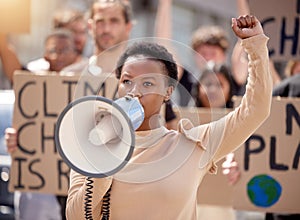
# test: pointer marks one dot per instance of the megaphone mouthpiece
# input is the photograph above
(133, 109)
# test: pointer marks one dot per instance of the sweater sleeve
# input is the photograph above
(78, 195)
(256, 103)
(221, 137)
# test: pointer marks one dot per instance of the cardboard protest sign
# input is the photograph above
(269, 162)
(215, 189)
(15, 16)
(36, 165)
(281, 24)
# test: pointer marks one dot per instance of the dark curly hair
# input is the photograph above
(151, 51)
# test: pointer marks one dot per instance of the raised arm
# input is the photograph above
(9, 59)
(239, 64)
(163, 28)
(225, 135)
(163, 21)
(239, 57)
(239, 60)
(256, 103)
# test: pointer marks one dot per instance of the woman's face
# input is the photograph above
(146, 79)
(207, 52)
(60, 53)
(214, 90)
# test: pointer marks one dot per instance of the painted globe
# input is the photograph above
(263, 190)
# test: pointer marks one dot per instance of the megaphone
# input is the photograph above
(95, 135)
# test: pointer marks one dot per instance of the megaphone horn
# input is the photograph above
(95, 135)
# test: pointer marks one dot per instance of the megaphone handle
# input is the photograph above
(105, 209)
(88, 199)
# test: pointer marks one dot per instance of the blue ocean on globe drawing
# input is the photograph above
(263, 190)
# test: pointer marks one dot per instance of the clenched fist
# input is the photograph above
(246, 26)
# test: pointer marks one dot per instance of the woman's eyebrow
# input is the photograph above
(128, 75)
(148, 77)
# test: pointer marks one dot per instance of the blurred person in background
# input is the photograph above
(290, 86)
(59, 52)
(111, 24)
(214, 87)
(77, 23)
(210, 43)
(9, 59)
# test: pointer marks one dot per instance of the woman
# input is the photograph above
(162, 177)
(214, 88)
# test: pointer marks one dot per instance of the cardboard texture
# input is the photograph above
(281, 24)
(269, 161)
(15, 16)
(278, 144)
(36, 165)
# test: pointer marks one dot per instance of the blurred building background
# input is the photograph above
(187, 16)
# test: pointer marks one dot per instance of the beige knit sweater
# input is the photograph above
(160, 181)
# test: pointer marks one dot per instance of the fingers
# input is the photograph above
(247, 21)
(253, 21)
(11, 139)
(246, 26)
(231, 169)
(10, 131)
(234, 175)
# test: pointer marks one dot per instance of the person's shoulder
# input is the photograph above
(37, 65)
(288, 87)
(78, 66)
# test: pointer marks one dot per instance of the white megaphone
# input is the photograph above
(95, 135)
